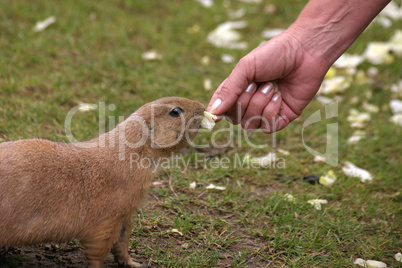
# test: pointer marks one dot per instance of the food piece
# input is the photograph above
(208, 121)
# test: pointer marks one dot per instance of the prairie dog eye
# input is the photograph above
(175, 112)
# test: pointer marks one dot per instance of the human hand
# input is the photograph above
(248, 94)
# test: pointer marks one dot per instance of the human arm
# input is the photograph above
(297, 60)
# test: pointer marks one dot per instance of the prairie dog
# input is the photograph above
(57, 192)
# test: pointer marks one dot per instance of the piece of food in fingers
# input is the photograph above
(208, 121)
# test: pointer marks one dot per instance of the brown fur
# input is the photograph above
(57, 192)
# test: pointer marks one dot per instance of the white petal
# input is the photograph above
(226, 58)
(151, 55)
(319, 158)
(378, 53)
(208, 121)
(206, 3)
(336, 84)
(290, 198)
(317, 203)
(324, 100)
(41, 25)
(85, 107)
(396, 106)
(329, 179)
(225, 35)
(283, 151)
(396, 119)
(357, 136)
(207, 84)
(370, 107)
(348, 61)
(353, 171)
(398, 256)
(214, 187)
(360, 261)
(375, 264)
(193, 185)
(175, 231)
(272, 33)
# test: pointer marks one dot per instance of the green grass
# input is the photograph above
(93, 53)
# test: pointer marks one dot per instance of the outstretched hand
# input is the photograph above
(248, 95)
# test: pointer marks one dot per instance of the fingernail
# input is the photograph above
(250, 87)
(215, 106)
(276, 96)
(267, 88)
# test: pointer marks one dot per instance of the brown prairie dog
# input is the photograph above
(57, 192)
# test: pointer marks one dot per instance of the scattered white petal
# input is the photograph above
(372, 71)
(283, 151)
(357, 117)
(360, 261)
(85, 107)
(319, 158)
(206, 3)
(272, 33)
(392, 11)
(290, 198)
(226, 58)
(347, 61)
(336, 84)
(353, 171)
(236, 14)
(205, 60)
(396, 119)
(397, 88)
(175, 231)
(41, 25)
(214, 187)
(378, 53)
(398, 256)
(384, 21)
(358, 125)
(396, 106)
(156, 183)
(207, 84)
(395, 43)
(193, 185)
(208, 121)
(329, 179)
(264, 161)
(151, 55)
(317, 203)
(370, 107)
(225, 36)
(357, 136)
(375, 264)
(324, 100)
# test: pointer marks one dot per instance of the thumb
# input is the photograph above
(232, 87)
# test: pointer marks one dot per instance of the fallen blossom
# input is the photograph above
(357, 117)
(283, 151)
(328, 179)
(193, 185)
(272, 33)
(370, 263)
(319, 158)
(236, 14)
(207, 84)
(392, 11)
(85, 107)
(395, 43)
(324, 100)
(398, 257)
(205, 60)
(226, 36)
(214, 187)
(396, 106)
(206, 3)
(353, 171)
(263, 161)
(151, 55)
(378, 53)
(175, 231)
(317, 203)
(349, 62)
(370, 107)
(290, 198)
(208, 121)
(357, 136)
(226, 58)
(396, 119)
(336, 84)
(42, 25)
(372, 71)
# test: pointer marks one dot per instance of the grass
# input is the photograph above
(93, 53)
